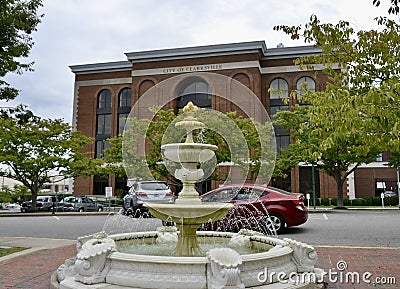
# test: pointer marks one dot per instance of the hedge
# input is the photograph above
(368, 201)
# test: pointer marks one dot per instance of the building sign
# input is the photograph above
(194, 68)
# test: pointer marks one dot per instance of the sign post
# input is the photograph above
(382, 198)
(308, 200)
(109, 196)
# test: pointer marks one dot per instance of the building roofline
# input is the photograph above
(198, 51)
(101, 67)
(291, 52)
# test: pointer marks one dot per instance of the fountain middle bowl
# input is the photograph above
(188, 152)
(189, 213)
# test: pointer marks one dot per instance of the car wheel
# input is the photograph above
(274, 223)
(128, 212)
(81, 210)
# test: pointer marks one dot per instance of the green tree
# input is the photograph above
(18, 20)
(32, 148)
(358, 114)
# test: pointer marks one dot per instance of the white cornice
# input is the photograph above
(101, 67)
(198, 52)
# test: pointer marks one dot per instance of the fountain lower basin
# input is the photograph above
(126, 270)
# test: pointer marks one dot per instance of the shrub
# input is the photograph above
(369, 201)
(324, 202)
(334, 202)
(357, 202)
(346, 202)
(391, 201)
(376, 201)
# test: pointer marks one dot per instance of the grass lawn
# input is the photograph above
(8, 251)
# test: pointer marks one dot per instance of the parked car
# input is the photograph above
(11, 207)
(79, 204)
(143, 192)
(389, 194)
(43, 204)
(261, 208)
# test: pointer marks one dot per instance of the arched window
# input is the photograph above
(104, 99)
(278, 89)
(124, 98)
(305, 83)
(196, 91)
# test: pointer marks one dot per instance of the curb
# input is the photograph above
(28, 251)
(46, 214)
(353, 210)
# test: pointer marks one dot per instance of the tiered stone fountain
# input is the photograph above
(100, 262)
(188, 212)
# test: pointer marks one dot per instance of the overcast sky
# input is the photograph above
(90, 31)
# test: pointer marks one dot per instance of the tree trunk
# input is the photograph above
(34, 192)
(339, 187)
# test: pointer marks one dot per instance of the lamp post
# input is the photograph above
(398, 184)
(313, 184)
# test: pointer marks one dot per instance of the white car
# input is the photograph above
(389, 194)
(146, 192)
(12, 207)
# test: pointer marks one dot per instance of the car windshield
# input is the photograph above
(154, 186)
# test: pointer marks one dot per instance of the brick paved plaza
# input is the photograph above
(34, 270)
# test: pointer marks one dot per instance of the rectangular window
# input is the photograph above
(121, 122)
(103, 124)
(100, 147)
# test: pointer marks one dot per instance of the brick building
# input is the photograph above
(105, 92)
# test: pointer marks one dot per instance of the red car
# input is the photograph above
(260, 208)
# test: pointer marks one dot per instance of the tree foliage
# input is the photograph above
(394, 6)
(357, 116)
(32, 149)
(18, 20)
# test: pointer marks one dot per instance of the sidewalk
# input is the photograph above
(34, 270)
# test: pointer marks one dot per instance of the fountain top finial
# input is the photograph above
(190, 107)
(189, 122)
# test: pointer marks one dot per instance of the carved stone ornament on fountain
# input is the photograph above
(225, 273)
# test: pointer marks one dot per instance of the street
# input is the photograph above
(350, 228)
